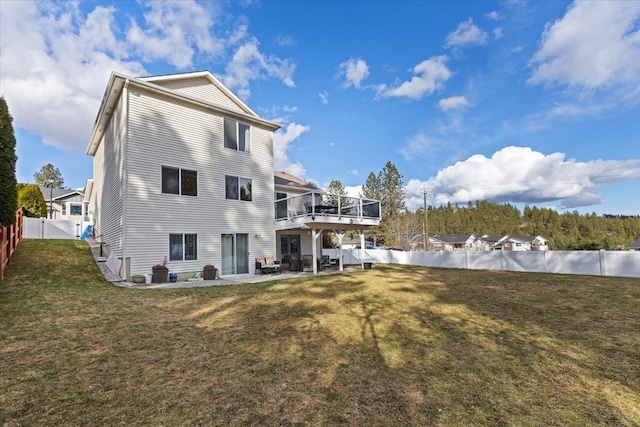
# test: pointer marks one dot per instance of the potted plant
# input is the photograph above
(209, 272)
(160, 272)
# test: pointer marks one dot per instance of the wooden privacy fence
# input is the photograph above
(9, 238)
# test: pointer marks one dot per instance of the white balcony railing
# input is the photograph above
(317, 203)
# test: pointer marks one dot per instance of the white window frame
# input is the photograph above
(235, 144)
(180, 172)
(239, 188)
(184, 247)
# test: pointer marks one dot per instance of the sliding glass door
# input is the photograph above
(235, 254)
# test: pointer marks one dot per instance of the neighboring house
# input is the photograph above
(455, 242)
(528, 243)
(513, 243)
(183, 170)
(66, 203)
(491, 243)
(635, 246)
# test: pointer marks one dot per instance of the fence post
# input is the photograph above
(466, 259)
(2, 238)
(603, 268)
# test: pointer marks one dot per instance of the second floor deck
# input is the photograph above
(324, 210)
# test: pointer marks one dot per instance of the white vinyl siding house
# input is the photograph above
(152, 128)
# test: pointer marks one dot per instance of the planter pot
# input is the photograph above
(209, 274)
(138, 279)
(160, 276)
(367, 265)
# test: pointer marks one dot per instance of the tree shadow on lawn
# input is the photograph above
(407, 346)
(391, 346)
(547, 335)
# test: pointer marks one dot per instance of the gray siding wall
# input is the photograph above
(163, 132)
(201, 87)
(108, 194)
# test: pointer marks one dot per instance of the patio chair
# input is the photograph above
(325, 262)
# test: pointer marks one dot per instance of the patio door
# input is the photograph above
(290, 245)
(235, 254)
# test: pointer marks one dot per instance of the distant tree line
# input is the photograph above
(565, 231)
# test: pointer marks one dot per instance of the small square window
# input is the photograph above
(179, 181)
(238, 188)
(183, 247)
(75, 209)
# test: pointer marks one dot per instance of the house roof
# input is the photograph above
(283, 179)
(118, 82)
(58, 193)
(635, 245)
(453, 238)
(528, 239)
(492, 239)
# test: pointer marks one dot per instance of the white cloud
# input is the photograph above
(430, 76)
(494, 16)
(497, 33)
(595, 45)
(249, 63)
(353, 190)
(55, 64)
(324, 98)
(286, 41)
(174, 31)
(354, 72)
(282, 139)
(519, 174)
(453, 103)
(56, 59)
(467, 34)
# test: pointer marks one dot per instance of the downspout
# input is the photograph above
(125, 144)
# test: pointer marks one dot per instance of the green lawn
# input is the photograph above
(390, 346)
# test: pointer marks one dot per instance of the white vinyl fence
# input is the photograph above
(595, 263)
(42, 228)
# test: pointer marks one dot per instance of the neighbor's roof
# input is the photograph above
(453, 238)
(118, 81)
(527, 238)
(58, 193)
(635, 245)
(283, 179)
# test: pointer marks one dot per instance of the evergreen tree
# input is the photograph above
(393, 191)
(8, 158)
(372, 188)
(335, 190)
(30, 197)
(49, 176)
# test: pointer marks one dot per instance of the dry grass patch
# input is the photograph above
(389, 346)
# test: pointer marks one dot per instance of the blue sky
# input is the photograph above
(524, 102)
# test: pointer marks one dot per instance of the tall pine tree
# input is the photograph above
(8, 189)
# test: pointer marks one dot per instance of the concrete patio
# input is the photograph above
(236, 280)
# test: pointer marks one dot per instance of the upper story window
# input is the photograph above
(237, 135)
(179, 181)
(237, 188)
